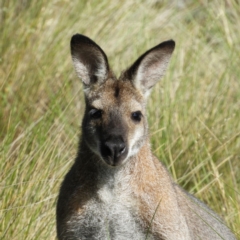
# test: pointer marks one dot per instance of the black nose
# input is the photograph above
(113, 151)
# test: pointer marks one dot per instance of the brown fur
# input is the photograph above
(117, 189)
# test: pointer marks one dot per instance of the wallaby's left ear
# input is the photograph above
(150, 67)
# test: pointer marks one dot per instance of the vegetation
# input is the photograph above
(193, 113)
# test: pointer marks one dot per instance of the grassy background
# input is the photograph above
(194, 115)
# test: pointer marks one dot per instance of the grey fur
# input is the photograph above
(127, 194)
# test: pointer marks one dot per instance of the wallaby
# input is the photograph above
(117, 189)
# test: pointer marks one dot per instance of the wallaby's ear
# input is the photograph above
(150, 67)
(89, 60)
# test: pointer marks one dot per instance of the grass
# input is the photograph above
(193, 113)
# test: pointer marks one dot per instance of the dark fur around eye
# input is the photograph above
(95, 113)
(136, 116)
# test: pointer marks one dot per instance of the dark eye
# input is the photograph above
(95, 113)
(136, 116)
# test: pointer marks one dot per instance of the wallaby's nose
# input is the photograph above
(113, 151)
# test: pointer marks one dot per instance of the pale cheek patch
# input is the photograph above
(135, 140)
(97, 104)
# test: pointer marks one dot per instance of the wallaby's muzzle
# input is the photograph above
(114, 150)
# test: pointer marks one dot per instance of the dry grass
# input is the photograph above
(193, 114)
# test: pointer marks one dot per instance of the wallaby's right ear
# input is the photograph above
(89, 60)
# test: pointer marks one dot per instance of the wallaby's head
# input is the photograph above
(115, 123)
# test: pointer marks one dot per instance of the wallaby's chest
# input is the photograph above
(108, 216)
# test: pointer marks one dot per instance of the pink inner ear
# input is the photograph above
(151, 69)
